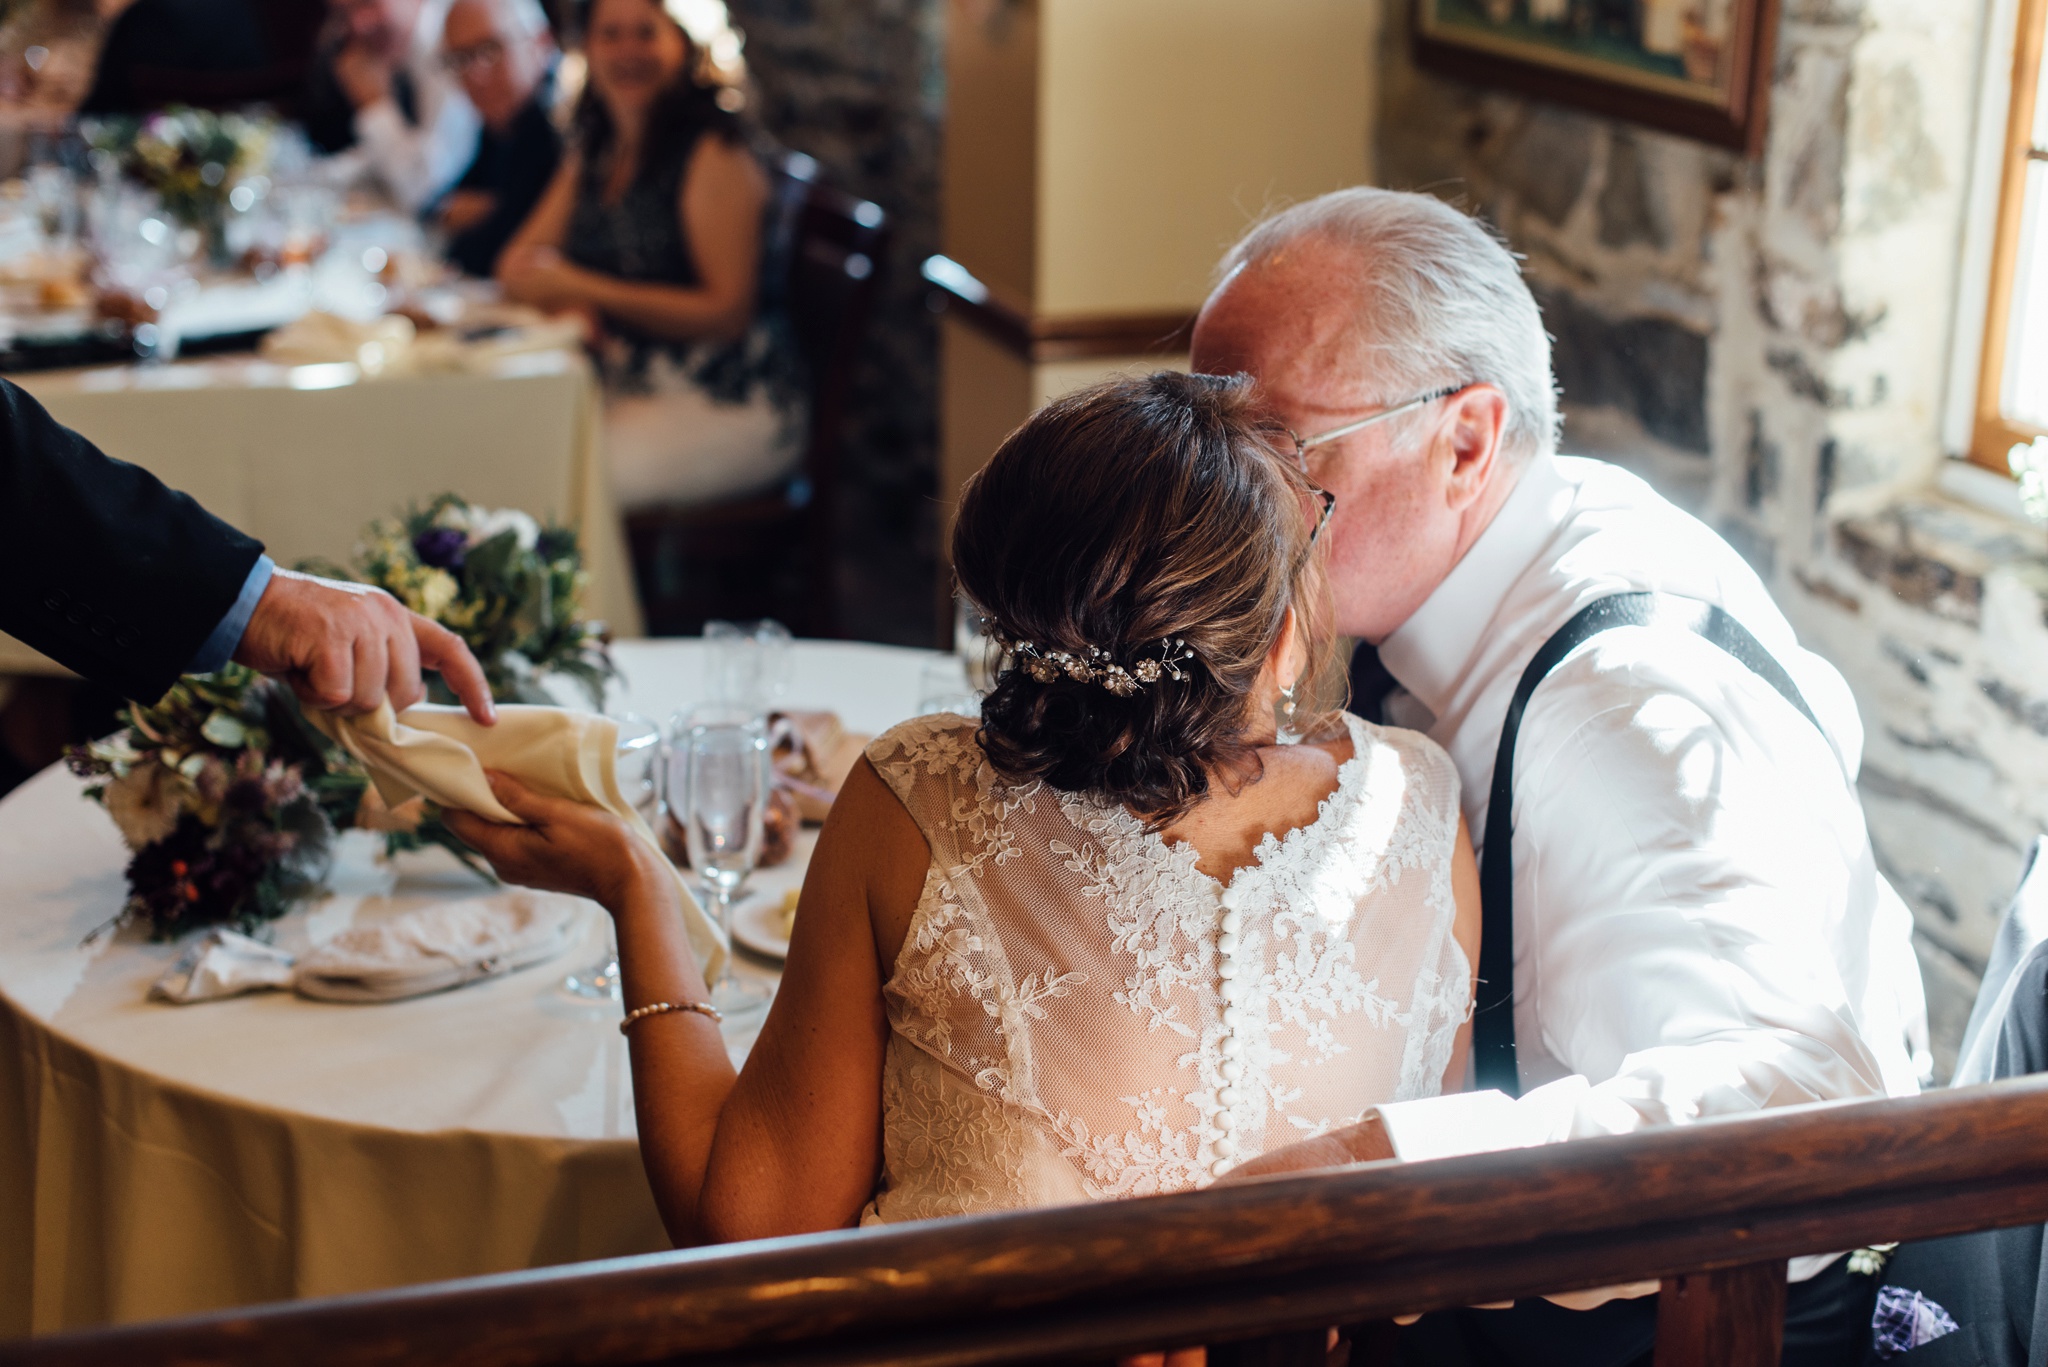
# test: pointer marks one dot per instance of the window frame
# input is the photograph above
(1993, 434)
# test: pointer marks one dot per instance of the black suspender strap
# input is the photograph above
(1493, 1021)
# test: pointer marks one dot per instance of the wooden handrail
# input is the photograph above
(1262, 1258)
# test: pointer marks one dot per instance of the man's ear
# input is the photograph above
(1475, 419)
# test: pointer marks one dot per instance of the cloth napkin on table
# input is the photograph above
(439, 752)
(428, 950)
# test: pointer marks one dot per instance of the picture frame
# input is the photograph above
(1697, 68)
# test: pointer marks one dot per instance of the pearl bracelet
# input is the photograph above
(662, 1008)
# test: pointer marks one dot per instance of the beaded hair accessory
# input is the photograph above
(1097, 665)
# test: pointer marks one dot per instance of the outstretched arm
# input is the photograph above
(796, 1144)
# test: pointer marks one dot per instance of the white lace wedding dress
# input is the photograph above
(1078, 1013)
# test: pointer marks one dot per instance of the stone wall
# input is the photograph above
(1767, 340)
(859, 84)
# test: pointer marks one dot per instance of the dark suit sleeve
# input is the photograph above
(102, 568)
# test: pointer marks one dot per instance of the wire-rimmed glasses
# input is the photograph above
(1304, 445)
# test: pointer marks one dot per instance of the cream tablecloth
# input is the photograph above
(301, 457)
(156, 1160)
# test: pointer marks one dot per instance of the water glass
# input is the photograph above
(942, 686)
(635, 758)
(718, 791)
(747, 663)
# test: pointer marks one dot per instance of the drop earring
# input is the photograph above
(1283, 718)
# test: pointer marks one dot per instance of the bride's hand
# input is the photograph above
(1365, 1142)
(563, 847)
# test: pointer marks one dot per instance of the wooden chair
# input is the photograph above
(1257, 1270)
(771, 554)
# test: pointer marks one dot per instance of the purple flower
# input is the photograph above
(441, 547)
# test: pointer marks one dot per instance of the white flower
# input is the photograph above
(485, 525)
(146, 803)
(2029, 463)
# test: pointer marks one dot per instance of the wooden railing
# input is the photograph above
(1259, 1269)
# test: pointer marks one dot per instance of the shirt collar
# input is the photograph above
(1429, 652)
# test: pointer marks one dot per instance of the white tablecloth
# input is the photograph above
(156, 1160)
(301, 457)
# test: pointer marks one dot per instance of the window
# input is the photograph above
(2012, 387)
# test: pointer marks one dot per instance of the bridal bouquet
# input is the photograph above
(214, 789)
(497, 578)
(230, 800)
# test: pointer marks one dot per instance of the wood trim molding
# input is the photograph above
(1995, 433)
(1040, 338)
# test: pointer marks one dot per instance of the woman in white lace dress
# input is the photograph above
(1119, 939)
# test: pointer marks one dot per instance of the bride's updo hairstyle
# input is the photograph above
(1114, 522)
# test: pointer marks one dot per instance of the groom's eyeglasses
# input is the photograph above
(1304, 445)
(1326, 504)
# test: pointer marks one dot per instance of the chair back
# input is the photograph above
(2024, 928)
(832, 246)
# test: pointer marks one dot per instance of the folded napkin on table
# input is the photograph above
(319, 338)
(441, 753)
(428, 950)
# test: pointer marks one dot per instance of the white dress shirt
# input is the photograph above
(1700, 927)
(419, 161)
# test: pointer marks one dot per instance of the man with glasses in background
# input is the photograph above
(378, 85)
(503, 54)
(1683, 914)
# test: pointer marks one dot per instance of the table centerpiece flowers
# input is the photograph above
(191, 158)
(510, 587)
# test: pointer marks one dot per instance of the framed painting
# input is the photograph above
(1699, 68)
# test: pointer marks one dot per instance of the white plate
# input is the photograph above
(757, 923)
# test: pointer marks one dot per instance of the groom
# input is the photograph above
(1698, 925)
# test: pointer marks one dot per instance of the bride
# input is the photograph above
(1118, 939)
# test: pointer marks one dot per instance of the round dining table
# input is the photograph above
(160, 1159)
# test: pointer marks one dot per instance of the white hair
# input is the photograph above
(515, 18)
(1440, 301)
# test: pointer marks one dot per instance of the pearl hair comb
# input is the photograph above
(1097, 665)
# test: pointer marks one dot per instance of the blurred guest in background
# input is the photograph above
(378, 84)
(504, 55)
(652, 229)
(161, 52)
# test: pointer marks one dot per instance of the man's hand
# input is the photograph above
(347, 647)
(363, 75)
(1365, 1142)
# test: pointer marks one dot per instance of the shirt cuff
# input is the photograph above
(221, 644)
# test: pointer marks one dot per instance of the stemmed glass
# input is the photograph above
(718, 776)
(637, 757)
(747, 663)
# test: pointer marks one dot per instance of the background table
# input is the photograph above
(156, 1160)
(301, 457)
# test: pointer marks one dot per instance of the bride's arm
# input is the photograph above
(1465, 930)
(801, 1141)
(796, 1144)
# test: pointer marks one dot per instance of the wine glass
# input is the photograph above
(636, 756)
(719, 791)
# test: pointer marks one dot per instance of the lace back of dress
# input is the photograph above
(1061, 1028)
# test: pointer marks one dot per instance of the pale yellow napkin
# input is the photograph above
(439, 752)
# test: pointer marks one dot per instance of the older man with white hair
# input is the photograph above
(1683, 915)
(503, 53)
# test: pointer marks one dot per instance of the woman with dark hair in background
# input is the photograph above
(1118, 938)
(652, 228)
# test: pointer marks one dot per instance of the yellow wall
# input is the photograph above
(1166, 126)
